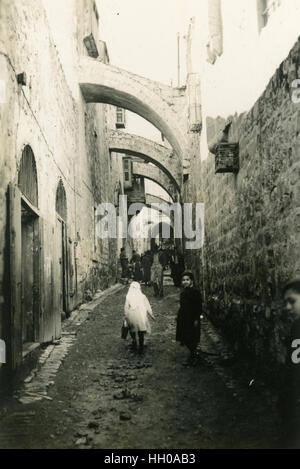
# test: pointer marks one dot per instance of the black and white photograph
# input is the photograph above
(149, 227)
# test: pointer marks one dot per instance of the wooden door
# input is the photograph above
(58, 277)
(37, 278)
(71, 277)
(15, 246)
(40, 292)
(65, 272)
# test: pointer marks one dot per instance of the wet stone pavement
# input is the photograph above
(89, 390)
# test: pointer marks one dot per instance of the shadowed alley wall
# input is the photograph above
(252, 220)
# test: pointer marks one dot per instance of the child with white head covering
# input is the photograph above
(136, 309)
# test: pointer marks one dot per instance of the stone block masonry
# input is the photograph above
(252, 228)
(70, 147)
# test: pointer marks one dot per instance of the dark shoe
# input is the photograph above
(191, 361)
(134, 346)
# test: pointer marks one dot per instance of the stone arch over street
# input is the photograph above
(157, 208)
(152, 199)
(155, 174)
(153, 101)
(150, 151)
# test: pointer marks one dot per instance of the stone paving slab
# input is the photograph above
(107, 396)
(37, 383)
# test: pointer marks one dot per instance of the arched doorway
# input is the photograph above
(28, 184)
(61, 307)
(25, 260)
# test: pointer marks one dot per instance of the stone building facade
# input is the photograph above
(251, 245)
(236, 150)
(55, 169)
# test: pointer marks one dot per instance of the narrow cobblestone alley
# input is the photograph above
(106, 396)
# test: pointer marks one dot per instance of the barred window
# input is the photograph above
(120, 118)
(127, 166)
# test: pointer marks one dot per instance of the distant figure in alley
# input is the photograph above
(157, 275)
(188, 318)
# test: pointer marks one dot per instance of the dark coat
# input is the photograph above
(289, 394)
(189, 312)
(146, 264)
(138, 275)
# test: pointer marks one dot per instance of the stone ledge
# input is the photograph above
(29, 347)
(88, 307)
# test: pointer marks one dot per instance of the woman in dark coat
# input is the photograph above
(146, 265)
(138, 274)
(188, 318)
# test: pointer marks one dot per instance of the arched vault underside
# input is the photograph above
(152, 199)
(161, 105)
(149, 151)
(157, 175)
(157, 203)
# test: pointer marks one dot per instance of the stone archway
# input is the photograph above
(25, 257)
(161, 105)
(154, 200)
(148, 150)
(156, 175)
(157, 208)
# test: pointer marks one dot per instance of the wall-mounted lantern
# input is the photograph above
(226, 153)
(227, 158)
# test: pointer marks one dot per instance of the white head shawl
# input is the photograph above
(135, 298)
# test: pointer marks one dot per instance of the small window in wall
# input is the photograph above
(27, 179)
(127, 170)
(120, 118)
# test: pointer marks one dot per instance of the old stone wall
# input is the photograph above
(193, 193)
(252, 229)
(43, 115)
(68, 139)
